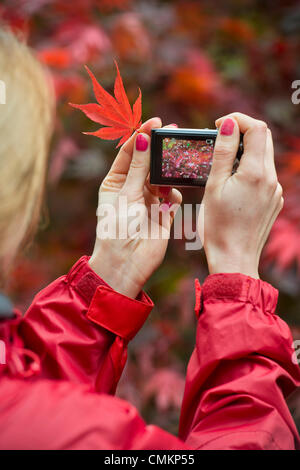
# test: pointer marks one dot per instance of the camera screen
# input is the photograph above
(182, 158)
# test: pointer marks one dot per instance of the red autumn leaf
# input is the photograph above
(113, 112)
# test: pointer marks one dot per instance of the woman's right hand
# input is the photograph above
(127, 260)
(238, 210)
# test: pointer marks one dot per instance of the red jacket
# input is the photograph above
(66, 355)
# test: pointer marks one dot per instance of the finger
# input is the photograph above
(269, 158)
(157, 192)
(253, 159)
(243, 120)
(160, 191)
(139, 166)
(153, 193)
(171, 204)
(254, 142)
(149, 197)
(275, 214)
(123, 159)
(174, 197)
(117, 174)
(226, 147)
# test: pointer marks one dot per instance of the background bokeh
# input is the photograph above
(194, 61)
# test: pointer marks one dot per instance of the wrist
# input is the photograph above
(116, 275)
(230, 263)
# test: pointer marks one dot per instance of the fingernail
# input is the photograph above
(175, 125)
(165, 206)
(141, 143)
(165, 190)
(227, 127)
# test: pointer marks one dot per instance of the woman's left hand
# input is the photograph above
(126, 252)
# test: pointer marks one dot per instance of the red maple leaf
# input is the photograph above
(114, 112)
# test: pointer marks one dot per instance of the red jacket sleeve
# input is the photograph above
(237, 379)
(241, 370)
(80, 328)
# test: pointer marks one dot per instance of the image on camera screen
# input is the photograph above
(183, 158)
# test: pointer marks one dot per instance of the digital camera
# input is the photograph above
(183, 157)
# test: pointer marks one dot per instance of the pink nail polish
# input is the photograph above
(141, 143)
(227, 127)
(175, 125)
(165, 205)
(165, 190)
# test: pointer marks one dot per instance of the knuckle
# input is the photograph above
(271, 183)
(139, 163)
(232, 114)
(256, 176)
(279, 205)
(136, 165)
(110, 182)
(279, 190)
(102, 186)
(260, 126)
(210, 184)
(222, 150)
(237, 114)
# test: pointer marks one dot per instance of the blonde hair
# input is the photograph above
(26, 121)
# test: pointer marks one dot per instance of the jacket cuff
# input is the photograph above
(238, 318)
(118, 313)
(237, 287)
(84, 280)
(108, 308)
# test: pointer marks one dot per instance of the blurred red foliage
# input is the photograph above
(167, 387)
(195, 82)
(130, 38)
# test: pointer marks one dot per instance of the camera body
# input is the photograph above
(183, 157)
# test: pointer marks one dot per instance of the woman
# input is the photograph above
(65, 356)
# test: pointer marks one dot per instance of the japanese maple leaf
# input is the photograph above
(113, 112)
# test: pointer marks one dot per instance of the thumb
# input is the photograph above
(226, 147)
(139, 166)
